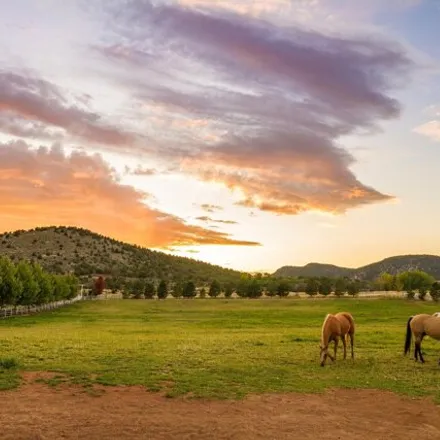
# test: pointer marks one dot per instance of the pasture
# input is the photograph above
(218, 349)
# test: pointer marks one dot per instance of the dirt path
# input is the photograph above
(37, 411)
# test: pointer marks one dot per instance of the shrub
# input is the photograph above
(8, 363)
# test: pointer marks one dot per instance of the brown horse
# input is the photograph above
(336, 327)
(420, 326)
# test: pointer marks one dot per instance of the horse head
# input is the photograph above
(323, 354)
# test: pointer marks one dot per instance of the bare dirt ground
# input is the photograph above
(36, 411)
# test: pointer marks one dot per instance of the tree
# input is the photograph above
(253, 289)
(10, 287)
(61, 288)
(177, 290)
(340, 287)
(149, 290)
(162, 290)
(214, 289)
(137, 288)
(29, 285)
(435, 291)
(283, 288)
(242, 287)
(202, 293)
(325, 286)
(45, 285)
(312, 287)
(229, 289)
(353, 287)
(73, 285)
(416, 280)
(384, 282)
(189, 290)
(98, 286)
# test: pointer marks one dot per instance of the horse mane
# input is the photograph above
(323, 328)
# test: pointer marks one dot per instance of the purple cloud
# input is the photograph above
(28, 100)
(277, 100)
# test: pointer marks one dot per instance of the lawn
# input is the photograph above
(219, 348)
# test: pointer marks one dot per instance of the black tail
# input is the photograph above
(408, 335)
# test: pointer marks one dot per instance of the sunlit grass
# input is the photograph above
(219, 348)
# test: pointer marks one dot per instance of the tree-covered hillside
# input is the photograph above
(87, 254)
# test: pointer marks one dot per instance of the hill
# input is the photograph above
(85, 253)
(313, 270)
(393, 265)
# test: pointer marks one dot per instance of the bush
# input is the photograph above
(8, 363)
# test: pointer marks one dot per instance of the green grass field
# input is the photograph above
(219, 348)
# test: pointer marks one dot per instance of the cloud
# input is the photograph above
(140, 171)
(277, 101)
(27, 100)
(211, 208)
(430, 129)
(207, 219)
(49, 187)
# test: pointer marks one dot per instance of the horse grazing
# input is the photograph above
(336, 327)
(420, 326)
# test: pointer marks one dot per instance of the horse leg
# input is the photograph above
(418, 344)
(344, 343)
(336, 344)
(352, 344)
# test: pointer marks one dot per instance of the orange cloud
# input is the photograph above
(41, 187)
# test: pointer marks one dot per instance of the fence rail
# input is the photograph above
(28, 310)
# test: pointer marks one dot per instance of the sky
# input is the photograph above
(250, 134)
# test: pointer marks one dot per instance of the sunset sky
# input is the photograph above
(251, 134)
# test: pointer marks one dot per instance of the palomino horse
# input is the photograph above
(420, 326)
(336, 327)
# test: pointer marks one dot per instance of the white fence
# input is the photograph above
(27, 310)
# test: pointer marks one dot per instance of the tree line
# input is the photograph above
(28, 284)
(254, 286)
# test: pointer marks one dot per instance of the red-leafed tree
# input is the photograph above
(99, 286)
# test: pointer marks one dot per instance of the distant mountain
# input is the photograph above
(313, 270)
(85, 253)
(393, 265)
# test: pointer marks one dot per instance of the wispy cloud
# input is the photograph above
(277, 101)
(207, 219)
(32, 107)
(141, 171)
(47, 186)
(211, 208)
